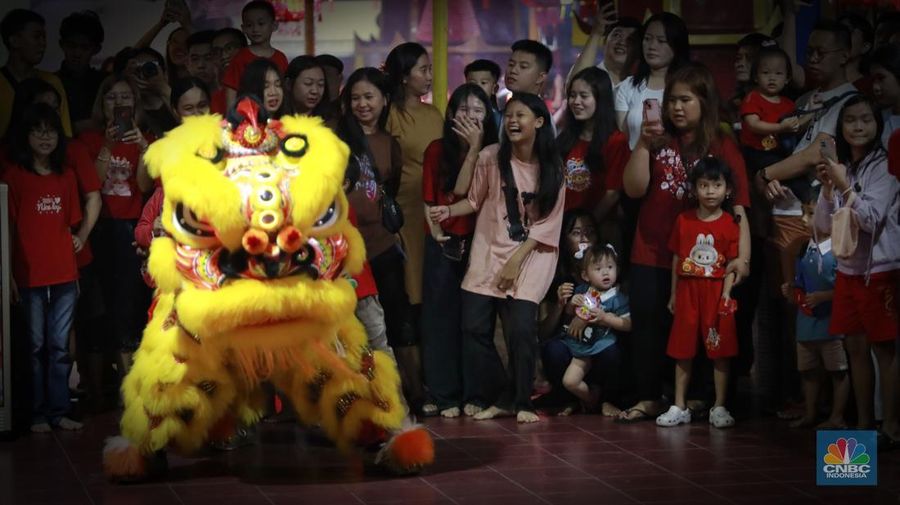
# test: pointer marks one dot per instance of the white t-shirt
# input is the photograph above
(822, 122)
(891, 124)
(615, 88)
(631, 100)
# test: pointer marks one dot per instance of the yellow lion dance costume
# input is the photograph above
(253, 284)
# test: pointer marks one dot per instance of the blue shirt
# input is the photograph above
(816, 270)
(599, 338)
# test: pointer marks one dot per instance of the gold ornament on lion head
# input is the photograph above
(257, 221)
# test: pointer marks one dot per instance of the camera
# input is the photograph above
(148, 69)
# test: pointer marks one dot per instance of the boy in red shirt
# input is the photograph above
(44, 208)
(258, 24)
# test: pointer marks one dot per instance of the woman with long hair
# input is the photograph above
(594, 151)
(518, 192)
(665, 47)
(117, 149)
(375, 164)
(447, 172)
(658, 173)
(414, 124)
(263, 79)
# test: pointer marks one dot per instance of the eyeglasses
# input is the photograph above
(45, 133)
(819, 53)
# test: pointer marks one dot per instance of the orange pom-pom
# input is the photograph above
(289, 239)
(412, 449)
(255, 241)
(122, 460)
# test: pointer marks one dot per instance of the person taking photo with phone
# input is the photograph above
(117, 144)
(658, 173)
(856, 182)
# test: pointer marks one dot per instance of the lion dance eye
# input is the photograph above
(295, 145)
(190, 224)
(328, 218)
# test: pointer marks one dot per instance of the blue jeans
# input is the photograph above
(49, 312)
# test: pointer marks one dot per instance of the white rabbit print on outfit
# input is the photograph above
(704, 257)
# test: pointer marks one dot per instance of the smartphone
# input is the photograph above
(827, 150)
(122, 118)
(652, 112)
(455, 248)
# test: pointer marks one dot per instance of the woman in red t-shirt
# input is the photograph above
(588, 123)
(658, 172)
(446, 173)
(116, 143)
(44, 208)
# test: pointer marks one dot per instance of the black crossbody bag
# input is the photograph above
(517, 230)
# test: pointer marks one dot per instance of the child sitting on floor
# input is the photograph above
(601, 313)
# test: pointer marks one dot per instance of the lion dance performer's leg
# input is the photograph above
(177, 393)
(354, 396)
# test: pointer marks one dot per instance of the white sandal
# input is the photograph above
(673, 417)
(720, 417)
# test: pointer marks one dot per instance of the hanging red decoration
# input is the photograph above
(293, 11)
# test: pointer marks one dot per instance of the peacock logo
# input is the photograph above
(846, 452)
(844, 459)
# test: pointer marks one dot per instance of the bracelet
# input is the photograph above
(765, 177)
(844, 192)
(449, 211)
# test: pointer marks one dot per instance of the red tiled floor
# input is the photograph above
(571, 461)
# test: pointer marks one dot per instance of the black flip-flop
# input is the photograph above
(630, 420)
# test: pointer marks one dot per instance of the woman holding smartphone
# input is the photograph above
(116, 144)
(664, 48)
(657, 173)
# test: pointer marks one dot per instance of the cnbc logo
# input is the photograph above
(846, 458)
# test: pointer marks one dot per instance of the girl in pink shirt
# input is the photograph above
(518, 193)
